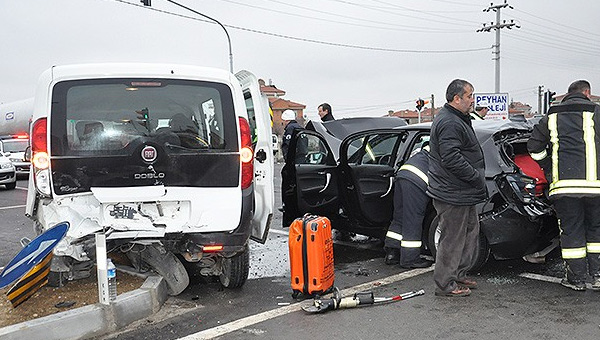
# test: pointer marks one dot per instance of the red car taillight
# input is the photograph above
(246, 154)
(40, 159)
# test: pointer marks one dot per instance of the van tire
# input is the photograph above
(235, 269)
(483, 249)
(167, 265)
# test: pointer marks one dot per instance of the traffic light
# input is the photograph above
(146, 2)
(142, 114)
(551, 97)
(420, 104)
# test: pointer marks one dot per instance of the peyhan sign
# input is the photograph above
(496, 102)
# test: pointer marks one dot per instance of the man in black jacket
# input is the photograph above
(456, 184)
(566, 144)
(325, 112)
(289, 119)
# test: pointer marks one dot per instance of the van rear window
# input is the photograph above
(108, 116)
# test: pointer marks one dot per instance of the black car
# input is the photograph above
(352, 183)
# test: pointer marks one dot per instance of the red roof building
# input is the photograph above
(278, 105)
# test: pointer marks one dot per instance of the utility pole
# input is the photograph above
(540, 95)
(432, 106)
(497, 27)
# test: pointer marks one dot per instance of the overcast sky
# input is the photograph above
(402, 50)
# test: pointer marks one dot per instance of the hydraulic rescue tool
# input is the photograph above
(358, 299)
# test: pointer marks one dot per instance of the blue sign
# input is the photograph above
(32, 254)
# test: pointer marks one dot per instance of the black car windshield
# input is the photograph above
(107, 115)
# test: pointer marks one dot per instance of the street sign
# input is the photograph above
(497, 104)
(32, 254)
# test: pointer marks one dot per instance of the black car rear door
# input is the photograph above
(309, 178)
(367, 166)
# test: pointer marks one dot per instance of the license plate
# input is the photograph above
(120, 211)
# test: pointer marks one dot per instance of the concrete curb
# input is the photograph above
(94, 320)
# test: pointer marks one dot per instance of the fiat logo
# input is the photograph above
(149, 153)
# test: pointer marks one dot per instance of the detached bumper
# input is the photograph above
(510, 235)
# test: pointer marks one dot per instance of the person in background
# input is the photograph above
(480, 110)
(566, 144)
(403, 238)
(456, 184)
(289, 119)
(325, 112)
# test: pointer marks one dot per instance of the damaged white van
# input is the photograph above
(174, 163)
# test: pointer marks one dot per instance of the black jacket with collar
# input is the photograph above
(456, 166)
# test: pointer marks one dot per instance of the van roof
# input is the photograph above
(141, 70)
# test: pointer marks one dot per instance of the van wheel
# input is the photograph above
(234, 270)
(481, 255)
(166, 264)
(10, 186)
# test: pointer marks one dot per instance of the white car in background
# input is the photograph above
(14, 149)
(8, 176)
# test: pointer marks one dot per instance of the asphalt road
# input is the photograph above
(506, 305)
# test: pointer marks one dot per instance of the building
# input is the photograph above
(278, 105)
(412, 116)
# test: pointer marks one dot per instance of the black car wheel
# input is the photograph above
(235, 269)
(10, 186)
(483, 250)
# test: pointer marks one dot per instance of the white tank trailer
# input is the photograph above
(15, 117)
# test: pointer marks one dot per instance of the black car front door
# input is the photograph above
(309, 178)
(367, 167)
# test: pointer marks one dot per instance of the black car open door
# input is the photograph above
(309, 178)
(367, 166)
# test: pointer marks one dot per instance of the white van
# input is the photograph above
(170, 161)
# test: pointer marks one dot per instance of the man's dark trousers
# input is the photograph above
(458, 244)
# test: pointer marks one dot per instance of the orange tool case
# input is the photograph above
(311, 255)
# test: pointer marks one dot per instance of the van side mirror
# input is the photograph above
(28, 154)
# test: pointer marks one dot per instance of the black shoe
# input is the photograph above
(575, 285)
(421, 263)
(392, 256)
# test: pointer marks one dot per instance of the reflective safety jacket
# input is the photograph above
(566, 144)
(415, 169)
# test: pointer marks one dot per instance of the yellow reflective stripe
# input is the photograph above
(416, 171)
(574, 190)
(573, 253)
(589, 137)
(552, 127)
(593, 247)
(410, 244)
(393, 235)
(575, 183)
(538, 156)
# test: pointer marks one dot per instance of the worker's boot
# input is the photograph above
(392, 256)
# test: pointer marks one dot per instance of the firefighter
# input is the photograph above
(566, 144)
(403, 238)
(289, 119)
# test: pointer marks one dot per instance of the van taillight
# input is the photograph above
(39, 156)
(246, 153)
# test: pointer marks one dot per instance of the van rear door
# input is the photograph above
(259, 119)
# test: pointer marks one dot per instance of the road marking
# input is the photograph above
(277, 231)
(264, 316)
(21, 188)
(12, 207)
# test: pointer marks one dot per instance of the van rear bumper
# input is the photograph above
(232, 241)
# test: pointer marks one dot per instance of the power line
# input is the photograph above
(424, 12)
(395, 8)
(587, 32)
(405, 27)
(421, 29)
(321, 42)
(537, 42)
